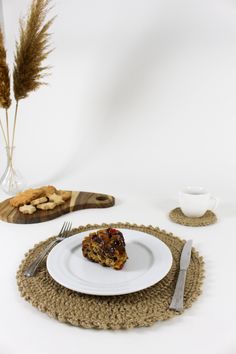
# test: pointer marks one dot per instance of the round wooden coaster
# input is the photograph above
(177, 216)
(139, 309)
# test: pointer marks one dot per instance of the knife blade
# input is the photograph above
(177, 302)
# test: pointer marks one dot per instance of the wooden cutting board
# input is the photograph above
(78, 200)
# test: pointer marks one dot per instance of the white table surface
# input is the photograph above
(141, 102)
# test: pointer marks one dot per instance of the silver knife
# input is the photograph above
(177, 302)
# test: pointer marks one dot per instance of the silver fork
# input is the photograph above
(32, 268)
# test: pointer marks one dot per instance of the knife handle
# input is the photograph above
(177, 302)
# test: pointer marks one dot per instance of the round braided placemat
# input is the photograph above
(142, 308)
(177, 216)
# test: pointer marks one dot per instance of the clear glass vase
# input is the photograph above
(11, 181)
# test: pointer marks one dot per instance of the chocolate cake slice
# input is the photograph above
(106, 247)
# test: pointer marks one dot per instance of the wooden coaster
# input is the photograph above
(177, 216)
(140, 309)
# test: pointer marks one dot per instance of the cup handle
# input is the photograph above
(214, 202)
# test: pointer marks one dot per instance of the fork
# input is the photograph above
(32, 268)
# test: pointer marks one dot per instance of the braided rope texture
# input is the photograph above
(139, 309)
(178, 217)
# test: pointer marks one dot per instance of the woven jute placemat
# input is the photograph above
(178, 217)
(142, 308)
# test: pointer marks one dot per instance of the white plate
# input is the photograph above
(149, 261)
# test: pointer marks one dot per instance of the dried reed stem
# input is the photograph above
(14, 129)
(3, 132)
(7, 125)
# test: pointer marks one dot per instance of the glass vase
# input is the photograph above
(11, 181)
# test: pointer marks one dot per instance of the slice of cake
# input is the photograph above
(106, 247)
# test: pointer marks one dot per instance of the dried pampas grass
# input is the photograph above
(5, 88)
(31, 50)
(5, 99)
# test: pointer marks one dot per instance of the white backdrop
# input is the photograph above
(138, 88)
(140, 102)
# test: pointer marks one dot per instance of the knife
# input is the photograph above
(177, 302)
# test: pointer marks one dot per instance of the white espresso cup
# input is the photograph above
(195, 201)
